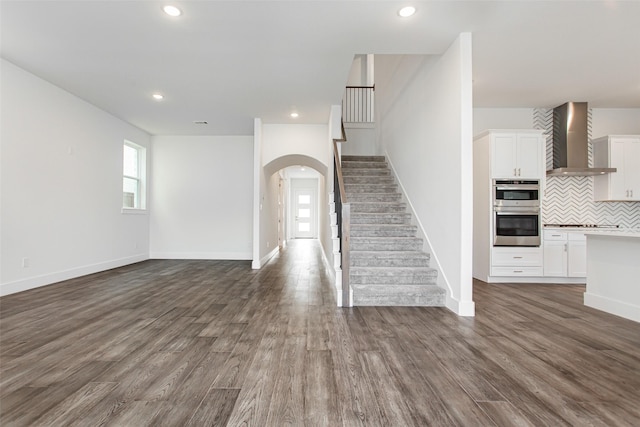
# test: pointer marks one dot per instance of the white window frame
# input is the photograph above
(140, 205)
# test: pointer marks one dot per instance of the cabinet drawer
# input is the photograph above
(524, 257)
(554, 235)
(517, 271)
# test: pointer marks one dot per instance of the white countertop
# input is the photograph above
(610, 233)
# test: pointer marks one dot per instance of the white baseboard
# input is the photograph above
(257, 265)
(461, 308)
(50, 278)
(241, 256)
(530, 280)
(619, 308)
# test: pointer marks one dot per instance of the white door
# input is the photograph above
(304, 213)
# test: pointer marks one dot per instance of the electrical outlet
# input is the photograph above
(25, 262)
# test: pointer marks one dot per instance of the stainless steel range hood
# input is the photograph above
(571, 142)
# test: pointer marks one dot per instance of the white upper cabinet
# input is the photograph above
(621, 152)
(517, 154)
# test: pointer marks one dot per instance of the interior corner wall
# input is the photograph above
(201, 197)
(425, 127)
(61, 178)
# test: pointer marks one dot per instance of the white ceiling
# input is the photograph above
(227, 62)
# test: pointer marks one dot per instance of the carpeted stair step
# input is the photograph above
(374, 197)
(350, 164)
(385, 244)
(393, 275)
(370, 188)
(389, 259)
(363, 158)
(365, 172)
(381, 206)
(374, 179)
(398, 295)
(380, 218)
(383, 230)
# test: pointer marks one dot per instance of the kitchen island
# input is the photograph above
(613, 273)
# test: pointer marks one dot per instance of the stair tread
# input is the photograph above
(377, 270)
(389, 254)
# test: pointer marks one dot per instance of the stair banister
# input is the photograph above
(343, 211)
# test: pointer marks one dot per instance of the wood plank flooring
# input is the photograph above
(198, 343)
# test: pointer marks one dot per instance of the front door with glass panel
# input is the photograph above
(304, 213)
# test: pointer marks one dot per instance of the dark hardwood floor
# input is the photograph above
(183, 343)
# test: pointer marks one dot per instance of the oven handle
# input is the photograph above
(518, 187)
(512, 210)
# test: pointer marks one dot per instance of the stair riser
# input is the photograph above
(380, 219)
(381, 207)
(401, 262)
(375, 179)
(425, 296)
(417, 279)
(365, 172)
(374, 198)
(385, 246)
(363, 158)
(366, 188)
(363, 165)
(356, 232)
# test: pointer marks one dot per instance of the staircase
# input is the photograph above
(388, 266)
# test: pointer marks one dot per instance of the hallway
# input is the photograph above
(173, 342)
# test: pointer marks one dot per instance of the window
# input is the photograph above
(134, 173)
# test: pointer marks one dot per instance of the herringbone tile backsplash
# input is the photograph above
(569, 199)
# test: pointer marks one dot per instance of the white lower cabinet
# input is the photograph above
(565, 254)
(516, 261)
(577, 255)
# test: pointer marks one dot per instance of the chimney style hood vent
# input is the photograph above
(571, 142)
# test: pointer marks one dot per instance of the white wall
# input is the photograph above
(361, 141)
(501, 118)
(61, 181)
(201, 197)
(280, 140)
(604, 121)
(425, 122)
(615, 121)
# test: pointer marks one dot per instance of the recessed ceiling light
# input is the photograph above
(158, 96)
(407, 11)
(294, 115)
(172, 10)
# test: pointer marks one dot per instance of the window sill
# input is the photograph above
(133, 211)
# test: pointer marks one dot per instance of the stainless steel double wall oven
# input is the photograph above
(516, 212)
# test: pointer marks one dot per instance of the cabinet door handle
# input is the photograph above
(519, 172)
(565, 247)
(517, 271)
(517, 257)
(556, 235)
(515, 172)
